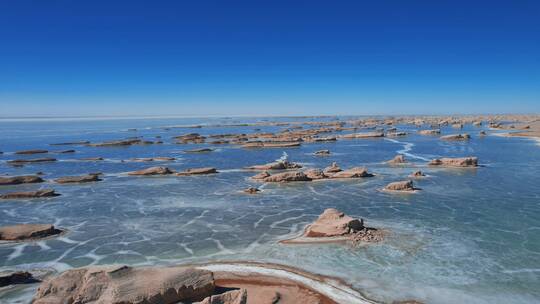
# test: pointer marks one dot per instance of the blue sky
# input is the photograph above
(61, 58)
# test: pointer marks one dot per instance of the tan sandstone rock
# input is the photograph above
(152, 171)
(23, 232)
(126, 285)
(23, 179)
(292, 176)
(455, 162)
(30, 194)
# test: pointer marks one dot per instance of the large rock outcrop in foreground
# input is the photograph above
(152, 171)
(334, 225)
(23, 179)
(30, 194)
(27, 232)
(455, 162)
(210, 284)
(127, 285)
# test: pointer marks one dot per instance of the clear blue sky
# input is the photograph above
(268, 57)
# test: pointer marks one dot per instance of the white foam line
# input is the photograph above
(17, 252)
(407, 146)
(330, 288)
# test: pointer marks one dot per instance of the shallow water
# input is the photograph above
(470, 235)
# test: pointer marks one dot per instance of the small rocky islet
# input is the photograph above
(109, 284)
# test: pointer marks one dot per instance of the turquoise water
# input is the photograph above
(470, 235)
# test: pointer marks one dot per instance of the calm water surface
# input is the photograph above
(470, 236)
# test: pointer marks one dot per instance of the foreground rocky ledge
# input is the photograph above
(335, 226)
(225, 283)
(24, 232)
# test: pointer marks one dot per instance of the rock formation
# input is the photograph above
(16, 277)
(322, 152)
(127, 285)
(334, 225)
(251, 190)
(29, 161)
(430, 132)
(355, 172)
(456, 137)
(152, 171)
(401, 186)
(417, 174)
(28, 152)
(455, 162)
(291, 176)
(23, 232)
(197, 171)
(277, 165)
(23, 179)
(78, 179)
(29, 194)
(398, 159)
(261, 176)
(332, 169)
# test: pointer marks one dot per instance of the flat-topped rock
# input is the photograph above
(30, 194)
(397, 160)
(23, 179)
(278, 165)
(30, 161)
(292, 176)
(271, 145)
(122, 142)
(455, 162)
(197, 171)
(27, 232)
(152, 171)
(28, 152)
(78, 179)
(401, 186)
(66, 151)
(127, 285)
(363, 135)
(355, 172)
(430, 132)
(456, 137)
(151, 159)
